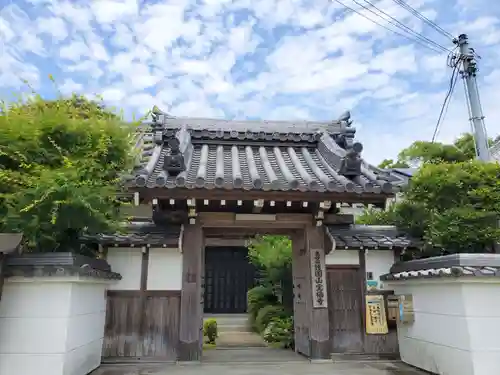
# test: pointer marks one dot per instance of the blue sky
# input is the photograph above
(257, 59)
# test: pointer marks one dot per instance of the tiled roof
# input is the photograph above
(138, 234)
(256, 155)
(409, 172)
(445, 272)
(456, 265)
(369, 237)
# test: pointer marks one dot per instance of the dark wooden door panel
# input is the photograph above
(228, 276)
(344, 308)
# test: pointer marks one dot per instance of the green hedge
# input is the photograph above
(268, 313)
(257, 298)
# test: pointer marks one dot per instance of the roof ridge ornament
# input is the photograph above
(178, 151)
(159, 118)
(345, 119)
(350, 165)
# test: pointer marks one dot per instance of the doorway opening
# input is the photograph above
(228, 277)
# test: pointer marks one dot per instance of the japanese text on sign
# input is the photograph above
(376, 321)
(318, 279)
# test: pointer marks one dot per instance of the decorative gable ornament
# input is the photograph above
(174, 160)
(351, 163)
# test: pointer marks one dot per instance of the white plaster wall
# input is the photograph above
(355, 210)
(127, 261)
(164, 269)
(482, 308)
(51, 326)
(379, 262)
(342, 257)
(456, 328)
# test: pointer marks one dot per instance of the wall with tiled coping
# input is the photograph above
(457, 324)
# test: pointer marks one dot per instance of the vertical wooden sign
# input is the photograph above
(318, 279)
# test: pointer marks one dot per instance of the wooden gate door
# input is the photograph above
(228, 277)
(345, 309)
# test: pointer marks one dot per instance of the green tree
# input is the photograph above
(273, 257)
(60, 163)
(272, 254)
(453, 207)
(389, 163)
(462, 149)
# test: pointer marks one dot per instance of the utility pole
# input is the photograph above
(469, 71)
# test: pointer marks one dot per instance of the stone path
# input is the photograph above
(234, 331)
(346, 368)
(259, 361)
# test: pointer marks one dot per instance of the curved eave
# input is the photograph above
(147, 194)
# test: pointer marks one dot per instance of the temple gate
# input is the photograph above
(204, 181)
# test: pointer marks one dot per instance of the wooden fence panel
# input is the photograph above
(142, 325)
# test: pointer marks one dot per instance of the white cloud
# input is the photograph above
(112, 11)
(54, 27)
(74, 51)
(396, 60)
(113, 95)
(272, 59)
(70, 87)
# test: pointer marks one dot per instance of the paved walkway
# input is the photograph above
(351, 368)
(259, 361)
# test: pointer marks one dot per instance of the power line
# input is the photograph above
(423, 18)
(444, 107)
(393, 21)
(388, 29)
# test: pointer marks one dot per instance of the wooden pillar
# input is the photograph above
(191, 316)
(319, 321)
(362, 280)
(301, 293)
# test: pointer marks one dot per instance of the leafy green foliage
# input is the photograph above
(210, 330)
(427, 152)
(454, 207)
(273, 256)
(280, 331)
(270, 251)
(257, 298)
(389, 163)
(59, 170)
(420, 152)
(266, 314)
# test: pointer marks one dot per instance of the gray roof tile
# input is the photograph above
(370, 237)
(138, 234)
(455, 271)
(249, 156)
(455, 265)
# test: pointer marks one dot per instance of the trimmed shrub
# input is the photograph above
(280, 332)
(259, 297)
(210, 330)
(266, 314)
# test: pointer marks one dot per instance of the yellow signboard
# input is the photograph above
(376, 320)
